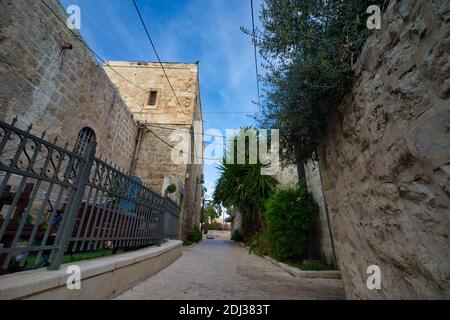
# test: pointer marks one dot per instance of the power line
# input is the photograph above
(165, 73)
(181, 130)
(186, 131)
(87, 47)
(256, 56)
(123, 77)
(221, 112)
(172, 147)
(157, 56)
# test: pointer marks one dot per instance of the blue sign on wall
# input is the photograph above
(132, 188)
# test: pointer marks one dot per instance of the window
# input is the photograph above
(152, 98)
(86, 136)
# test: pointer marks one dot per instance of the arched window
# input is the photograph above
(86, 136)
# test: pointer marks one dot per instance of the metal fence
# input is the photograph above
(171, 219)
(54, 202)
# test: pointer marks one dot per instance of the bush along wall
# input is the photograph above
(194, 236)
(290, 214)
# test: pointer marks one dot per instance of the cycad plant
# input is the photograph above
(243, 186)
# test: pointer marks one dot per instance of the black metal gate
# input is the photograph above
(54, 201)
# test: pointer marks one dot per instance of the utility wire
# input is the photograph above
(165, 73)
(137, 86)
(256, 56)
(87, 47)
(107, 64)
(220, 112)
(181, 130)
(157, 55)
(172, 147)
(119, 74)
(91, 50)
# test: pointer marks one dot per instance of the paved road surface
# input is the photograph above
(220, 269)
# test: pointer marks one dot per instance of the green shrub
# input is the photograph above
(171, 188)
(260, 244)
(290, 214)
(194, 235)
(309, 48)
(237, 236)
(316, 265)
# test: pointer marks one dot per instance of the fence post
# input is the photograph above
(70, 214)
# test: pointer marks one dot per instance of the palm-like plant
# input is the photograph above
(243, 186)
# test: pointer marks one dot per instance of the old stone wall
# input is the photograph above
(386, 159)
(154, 161)
(287, 176)
(55, 89)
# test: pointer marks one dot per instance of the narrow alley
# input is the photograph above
(221, 269)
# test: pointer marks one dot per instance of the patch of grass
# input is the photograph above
(312, 265)
(86, 255)
(68, 258)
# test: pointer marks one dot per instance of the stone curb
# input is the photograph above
(192, 245)
(101, 278)
(295, 272)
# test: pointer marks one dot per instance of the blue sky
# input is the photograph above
(184, 31)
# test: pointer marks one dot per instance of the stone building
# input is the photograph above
(167, 115)
(50, 79)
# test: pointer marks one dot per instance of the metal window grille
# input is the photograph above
(85, 137)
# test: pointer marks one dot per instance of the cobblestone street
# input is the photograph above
(221, 269)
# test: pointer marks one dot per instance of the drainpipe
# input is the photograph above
(328, 217)
(137, 147)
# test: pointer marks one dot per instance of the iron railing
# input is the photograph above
(54, 202)
(171, 220)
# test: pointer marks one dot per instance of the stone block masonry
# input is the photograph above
(150, 77)
(386, 160)
(48, 78)
(55, 89)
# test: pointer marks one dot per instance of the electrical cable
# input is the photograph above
(172, 147)
(256, 56)
(157, 55)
